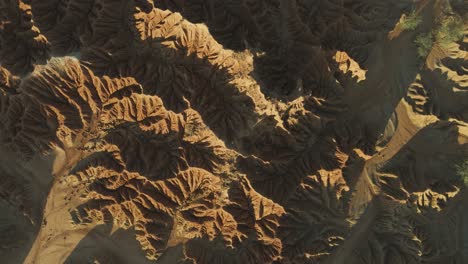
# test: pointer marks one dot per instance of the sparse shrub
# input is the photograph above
(424, 43)
(411, 22)
(462, 171)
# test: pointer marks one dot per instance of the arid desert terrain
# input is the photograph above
(233, 131)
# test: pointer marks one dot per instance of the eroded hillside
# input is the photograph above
(222, 131)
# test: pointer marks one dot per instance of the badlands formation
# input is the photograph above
(233, 131)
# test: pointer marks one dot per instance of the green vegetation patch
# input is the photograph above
(462, 171)
(424, 42)
(451, 30)
(411, 22)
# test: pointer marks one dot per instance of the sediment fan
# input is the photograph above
(210, 131)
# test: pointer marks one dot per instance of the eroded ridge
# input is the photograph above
(234, 131)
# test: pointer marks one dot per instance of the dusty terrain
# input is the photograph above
(233, 131)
